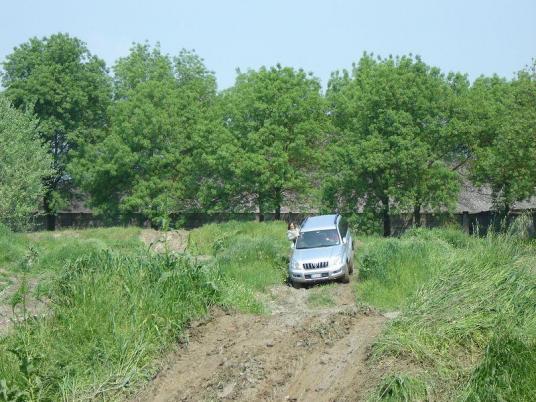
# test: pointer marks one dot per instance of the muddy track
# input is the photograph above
(296, 353)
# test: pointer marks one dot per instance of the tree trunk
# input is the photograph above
(51, 222)
(278, 201)
(417, 215)
(50, 215)
(260, 215)
(386, 219)
(507, 217)
(277, 215)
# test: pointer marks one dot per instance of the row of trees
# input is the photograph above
(156, 138)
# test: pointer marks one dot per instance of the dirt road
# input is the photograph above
(299, 352)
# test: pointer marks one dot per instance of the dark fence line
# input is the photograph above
(471, 223)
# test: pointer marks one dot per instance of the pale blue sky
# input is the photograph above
(474, 37)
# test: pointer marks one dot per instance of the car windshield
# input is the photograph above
(318, 238)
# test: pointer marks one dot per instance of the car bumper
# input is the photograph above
(316, 275)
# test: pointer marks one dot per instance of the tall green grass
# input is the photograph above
(469, 319)
(116, 307)
(507, 372)
(111, 316)
(49, 251)
(12, 248)
(391, 270)
(250, 257)
(210, 239)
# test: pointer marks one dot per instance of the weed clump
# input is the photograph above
(400, 387)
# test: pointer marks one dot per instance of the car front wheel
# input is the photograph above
(346, 277)
(295, 285)
(351, 267)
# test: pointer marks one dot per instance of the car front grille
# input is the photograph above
(314, 265)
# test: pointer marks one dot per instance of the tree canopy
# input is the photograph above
(396, 137)
(68, 89)
(504, 116)
(277, 118)
(143, 163)
(155, 138)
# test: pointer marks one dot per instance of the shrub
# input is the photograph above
(249, 253)
(451, 235)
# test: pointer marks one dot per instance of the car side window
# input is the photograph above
(343, 227)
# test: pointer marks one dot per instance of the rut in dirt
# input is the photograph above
(296, 353)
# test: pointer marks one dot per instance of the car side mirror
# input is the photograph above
(344, 240)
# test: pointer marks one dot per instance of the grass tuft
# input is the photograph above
(321, 296)
(401, 388)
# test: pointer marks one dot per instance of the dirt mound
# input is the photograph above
(173, 240)
(297, 353)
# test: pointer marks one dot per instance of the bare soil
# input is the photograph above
(173, 240)
(17, 305)
(296, 353)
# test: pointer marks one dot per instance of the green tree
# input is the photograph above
(145, 163)
(277, 118)
(504, 119)
(68, 90)
(399, 135)
(24, 162)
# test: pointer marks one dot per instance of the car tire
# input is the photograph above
(296, 285)
(346, 277)
(351, 267)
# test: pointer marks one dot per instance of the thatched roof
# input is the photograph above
(471, 199)
(478, 199)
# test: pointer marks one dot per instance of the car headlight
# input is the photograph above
(295, 264)
(337, 260)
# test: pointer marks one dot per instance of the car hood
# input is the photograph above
(314, 254)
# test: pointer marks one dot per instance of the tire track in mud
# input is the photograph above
(296, 353)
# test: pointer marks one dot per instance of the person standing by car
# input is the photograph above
(292, 233)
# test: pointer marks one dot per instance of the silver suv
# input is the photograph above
(323, 251)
